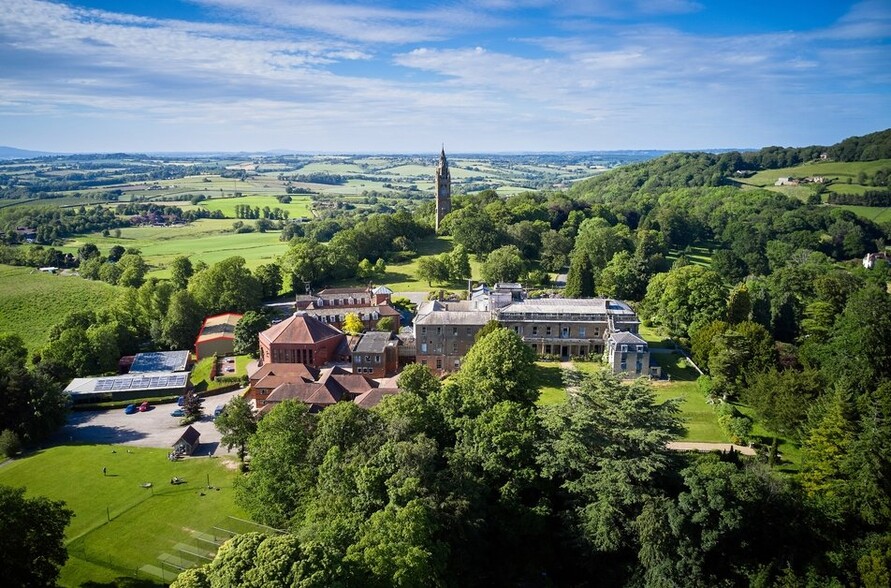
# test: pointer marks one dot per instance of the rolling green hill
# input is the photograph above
(31, 302)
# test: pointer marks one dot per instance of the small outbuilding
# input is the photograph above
(188, 442)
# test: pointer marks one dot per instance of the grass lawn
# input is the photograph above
(876, 214)
(403, 277)
(31, 302)
(200, 377)
(656, 337)
(699, 417)
(549, 378)
(119, 526)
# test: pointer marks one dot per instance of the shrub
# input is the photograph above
(737, 425)
(10, 444)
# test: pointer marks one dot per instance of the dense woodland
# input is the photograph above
(469, 482)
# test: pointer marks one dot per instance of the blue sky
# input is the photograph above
(406, 76)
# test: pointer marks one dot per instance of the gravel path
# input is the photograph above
(688, 446)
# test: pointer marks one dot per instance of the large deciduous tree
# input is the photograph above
(226, 286)
(236, 424)
(505, 264)
(247, 332)
(32, 538)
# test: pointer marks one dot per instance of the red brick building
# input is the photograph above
(303, 339)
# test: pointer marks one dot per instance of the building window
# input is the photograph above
(624, 348)
(457, 363)
(547, 331)
(468, 330)
(423, 348)
(517, 329)
(358, 359)
(623, 366)
(423, 330)
(454, 348)
(547, 349)
(377, 359)
(439, 330)
(564, 332)
(640, 348)
(455, 331)
(581, 332)
(535, 329)
(424, 362)
(439, 364)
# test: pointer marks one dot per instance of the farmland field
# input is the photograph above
(121, 529)
(298, 207)
(834, 170)
(31, 302)
(208, 240)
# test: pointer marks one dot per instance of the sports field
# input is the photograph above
(122, 529)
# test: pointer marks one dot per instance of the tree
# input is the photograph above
(605, 448)
(352, 324)
(247, 332)
(580, 280)
(729, 265)
(270, 277)
(115, 253)
(624, 277)
(133, 269)
(236, 424)
(432, 269)
(32, 538)
(474, 229)
(192, 406)
(386, 324)
(555, 248)
(505, 264)
(226, 286)
(305, 262)
(739, 305)
(419, 380)
(459, 264)
(180, 326)
(180, 271)
(279, 473)
(684, 298)
(500, 366)
(861, 344)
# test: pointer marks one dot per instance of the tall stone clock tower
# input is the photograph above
(443, 183)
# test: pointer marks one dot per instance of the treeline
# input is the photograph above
(52, 224)
(868, 198)
(338, 248)
(468, 482)
(245, 211)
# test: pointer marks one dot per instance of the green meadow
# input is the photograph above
(122, 529)
(839, 172)
(299, 206)
(208, 240)
(31, 302)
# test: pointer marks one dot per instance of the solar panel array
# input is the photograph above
(160, 361)
(140, 382)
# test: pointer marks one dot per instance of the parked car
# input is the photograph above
(130, 409)
(144, 406)
(218, 410)
(180, 400)
(178, 413)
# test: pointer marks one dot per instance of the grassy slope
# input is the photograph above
(144, 522)
(31, 302)
(298, 207)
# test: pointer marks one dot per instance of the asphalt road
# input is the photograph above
(154, 428)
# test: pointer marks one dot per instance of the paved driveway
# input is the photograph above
(155, 428)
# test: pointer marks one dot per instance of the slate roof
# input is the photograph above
(374, 342)
(624, 337)
(373, 397)
(190, 436)
(300, 329)
(272, 375)
(454, 317)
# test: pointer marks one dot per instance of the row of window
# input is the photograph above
(368, 359)
(565, 332)
(363, 370)
(336, 318)
(638, 348)
(467, 330)
(340, 301)
(437, 349)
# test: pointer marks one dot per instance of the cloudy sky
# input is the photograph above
(406, 76)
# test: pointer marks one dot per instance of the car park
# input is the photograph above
(130, 409)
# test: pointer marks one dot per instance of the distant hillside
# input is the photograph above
(13, 153)
(689, 170)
